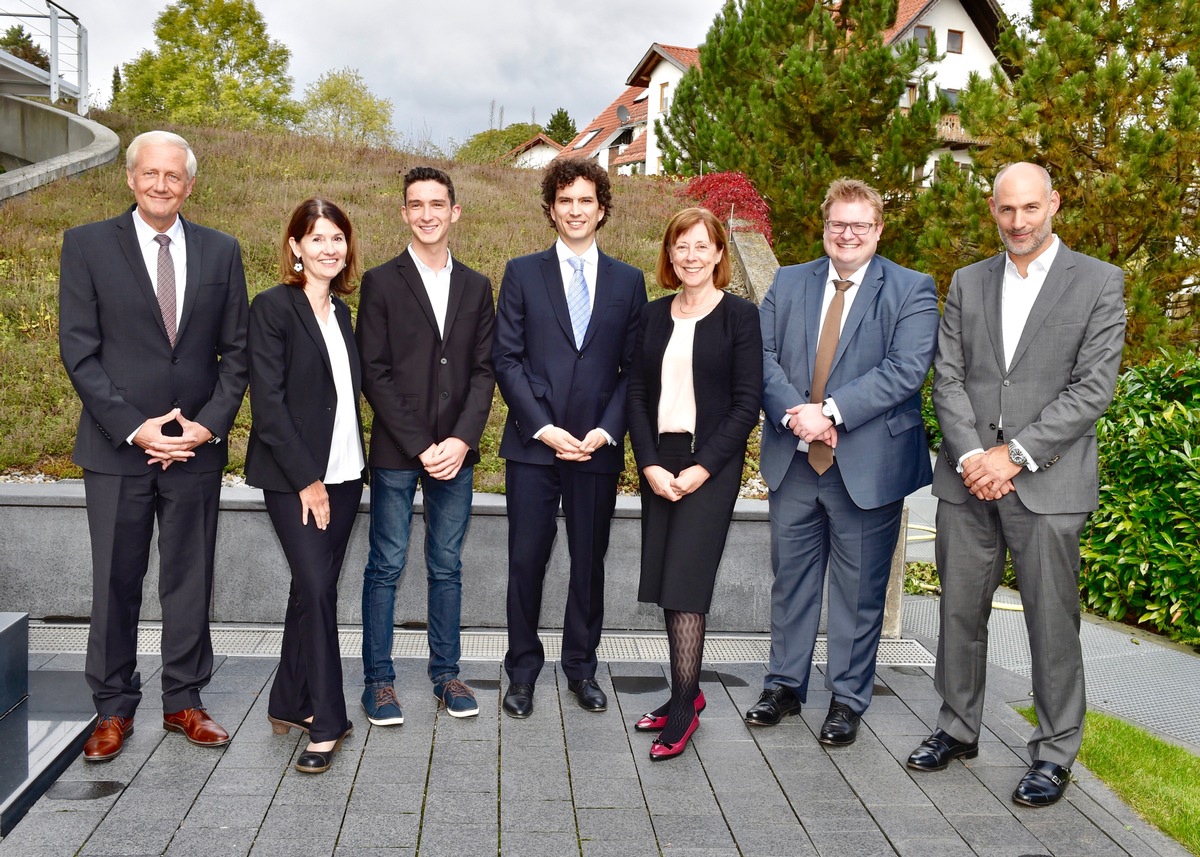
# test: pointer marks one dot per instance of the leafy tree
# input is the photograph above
(1105, 95)
(794, 95)
(338, 105)
(214, 63)
(491, 145)
(561, 127)
(19, 43)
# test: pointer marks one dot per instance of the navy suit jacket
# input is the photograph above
(883, 355)
(544, 378)
(116, 352)
(292, 396)
(425, 387)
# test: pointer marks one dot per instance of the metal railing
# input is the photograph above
(59, 33)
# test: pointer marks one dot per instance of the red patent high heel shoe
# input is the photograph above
(653, 723)
(660, 750)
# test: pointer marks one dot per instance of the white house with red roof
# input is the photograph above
(623, 139)
(533, 154)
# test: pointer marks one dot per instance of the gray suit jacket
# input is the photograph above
(1060, 382)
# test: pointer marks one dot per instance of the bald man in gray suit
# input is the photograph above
(1028, 353)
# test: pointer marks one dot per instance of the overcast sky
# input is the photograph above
(440, 63)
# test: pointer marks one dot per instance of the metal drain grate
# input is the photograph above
(476, 645)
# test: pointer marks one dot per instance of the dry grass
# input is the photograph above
(247, 185)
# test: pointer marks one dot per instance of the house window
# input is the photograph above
(951, 96)
(912, 94)
(663, 101)
(954, 41)
(591, 135)
(918, 173)
(921, 35)
(965, 169)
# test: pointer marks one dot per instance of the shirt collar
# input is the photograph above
(590, 256)
(421, 266)
(1039, 266)
(857, 277)
(145, 232)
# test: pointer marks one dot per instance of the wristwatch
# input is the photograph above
(827, 409)
(1017, 455)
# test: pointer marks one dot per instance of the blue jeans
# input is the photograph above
(447, 514)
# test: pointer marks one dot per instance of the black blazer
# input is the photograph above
(727, 375)
(424, 387)
(292, 397)
(116, 352)
(544, 378)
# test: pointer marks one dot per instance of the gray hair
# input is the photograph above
(1045, 174)
(159, 138)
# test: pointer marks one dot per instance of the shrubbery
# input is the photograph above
(731, 194)
(1141, 550)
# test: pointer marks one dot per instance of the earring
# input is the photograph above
(299, 266)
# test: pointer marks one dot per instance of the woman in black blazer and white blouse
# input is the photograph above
(306, 452)
(694, 395)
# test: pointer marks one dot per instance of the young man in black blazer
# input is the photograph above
(425, 324)
(152, 332)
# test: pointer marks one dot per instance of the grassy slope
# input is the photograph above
(247, 185)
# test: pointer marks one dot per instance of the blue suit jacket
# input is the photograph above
(883, 355)
(544, 378)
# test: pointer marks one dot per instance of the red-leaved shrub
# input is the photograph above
(731, 193)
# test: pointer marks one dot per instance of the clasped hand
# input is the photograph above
(809, 424)
(163, 449)
(671, 487)
(988, 475)
(569, 448)
(443, 460)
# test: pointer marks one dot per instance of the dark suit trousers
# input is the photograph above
(121, 514)
(815, 524)
(309, 678)
(532, 497)
(972, 538)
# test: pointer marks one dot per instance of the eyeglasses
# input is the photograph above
(837, 227)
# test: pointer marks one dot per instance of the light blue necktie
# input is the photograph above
(577, 301)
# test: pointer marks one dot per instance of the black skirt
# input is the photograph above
(682, 542)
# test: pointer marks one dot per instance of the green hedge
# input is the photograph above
(1141, 550)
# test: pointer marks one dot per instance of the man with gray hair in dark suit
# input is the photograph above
(1028, 353)
(152, 332)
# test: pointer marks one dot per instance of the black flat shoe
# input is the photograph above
(320, 761)
(283, 725)
(588, 694)
(1043, 784)
(518, 700)
(939, 750)
(773, 705)
(840, 727)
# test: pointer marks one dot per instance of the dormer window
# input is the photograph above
(591, 135)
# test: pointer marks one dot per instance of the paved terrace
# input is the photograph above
(567, 782)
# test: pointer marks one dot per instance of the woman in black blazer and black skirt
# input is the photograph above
(693, 399)
(306, 453)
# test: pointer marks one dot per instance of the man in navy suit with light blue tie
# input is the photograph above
(848, 340)
(565, 328)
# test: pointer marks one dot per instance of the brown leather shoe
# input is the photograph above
(199, 728)
(109, 738)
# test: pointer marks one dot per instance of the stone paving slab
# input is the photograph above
(569, 782)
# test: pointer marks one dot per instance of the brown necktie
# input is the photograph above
(820, 454)
(166, 285)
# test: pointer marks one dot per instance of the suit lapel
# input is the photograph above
(1058, 278)
(552, 278)
(127, 239)
(993, 305)
(411, 277)
(309, 321)
(191, 289)
(868, 291)
(603, 287)
(814, 292)
(458, 284)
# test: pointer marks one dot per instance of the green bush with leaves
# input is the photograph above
(1141, 550)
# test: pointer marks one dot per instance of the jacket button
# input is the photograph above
(174, 360)
(992, 426)
(174, 403)
(443, 361)
(580, 356)
(445, 395)
(1006, 383)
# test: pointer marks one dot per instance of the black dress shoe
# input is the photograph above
(773, 705)
(320, 761)
(840, 727)
(589, 694)
(938, 750)
(518, 700)
(1042, 785)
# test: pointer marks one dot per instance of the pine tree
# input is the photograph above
(1106, 96)
(561, 127)
(20, 44)
(795, 94)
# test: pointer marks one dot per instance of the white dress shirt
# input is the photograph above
(437, 286)
(345, 452)
(178, 247)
